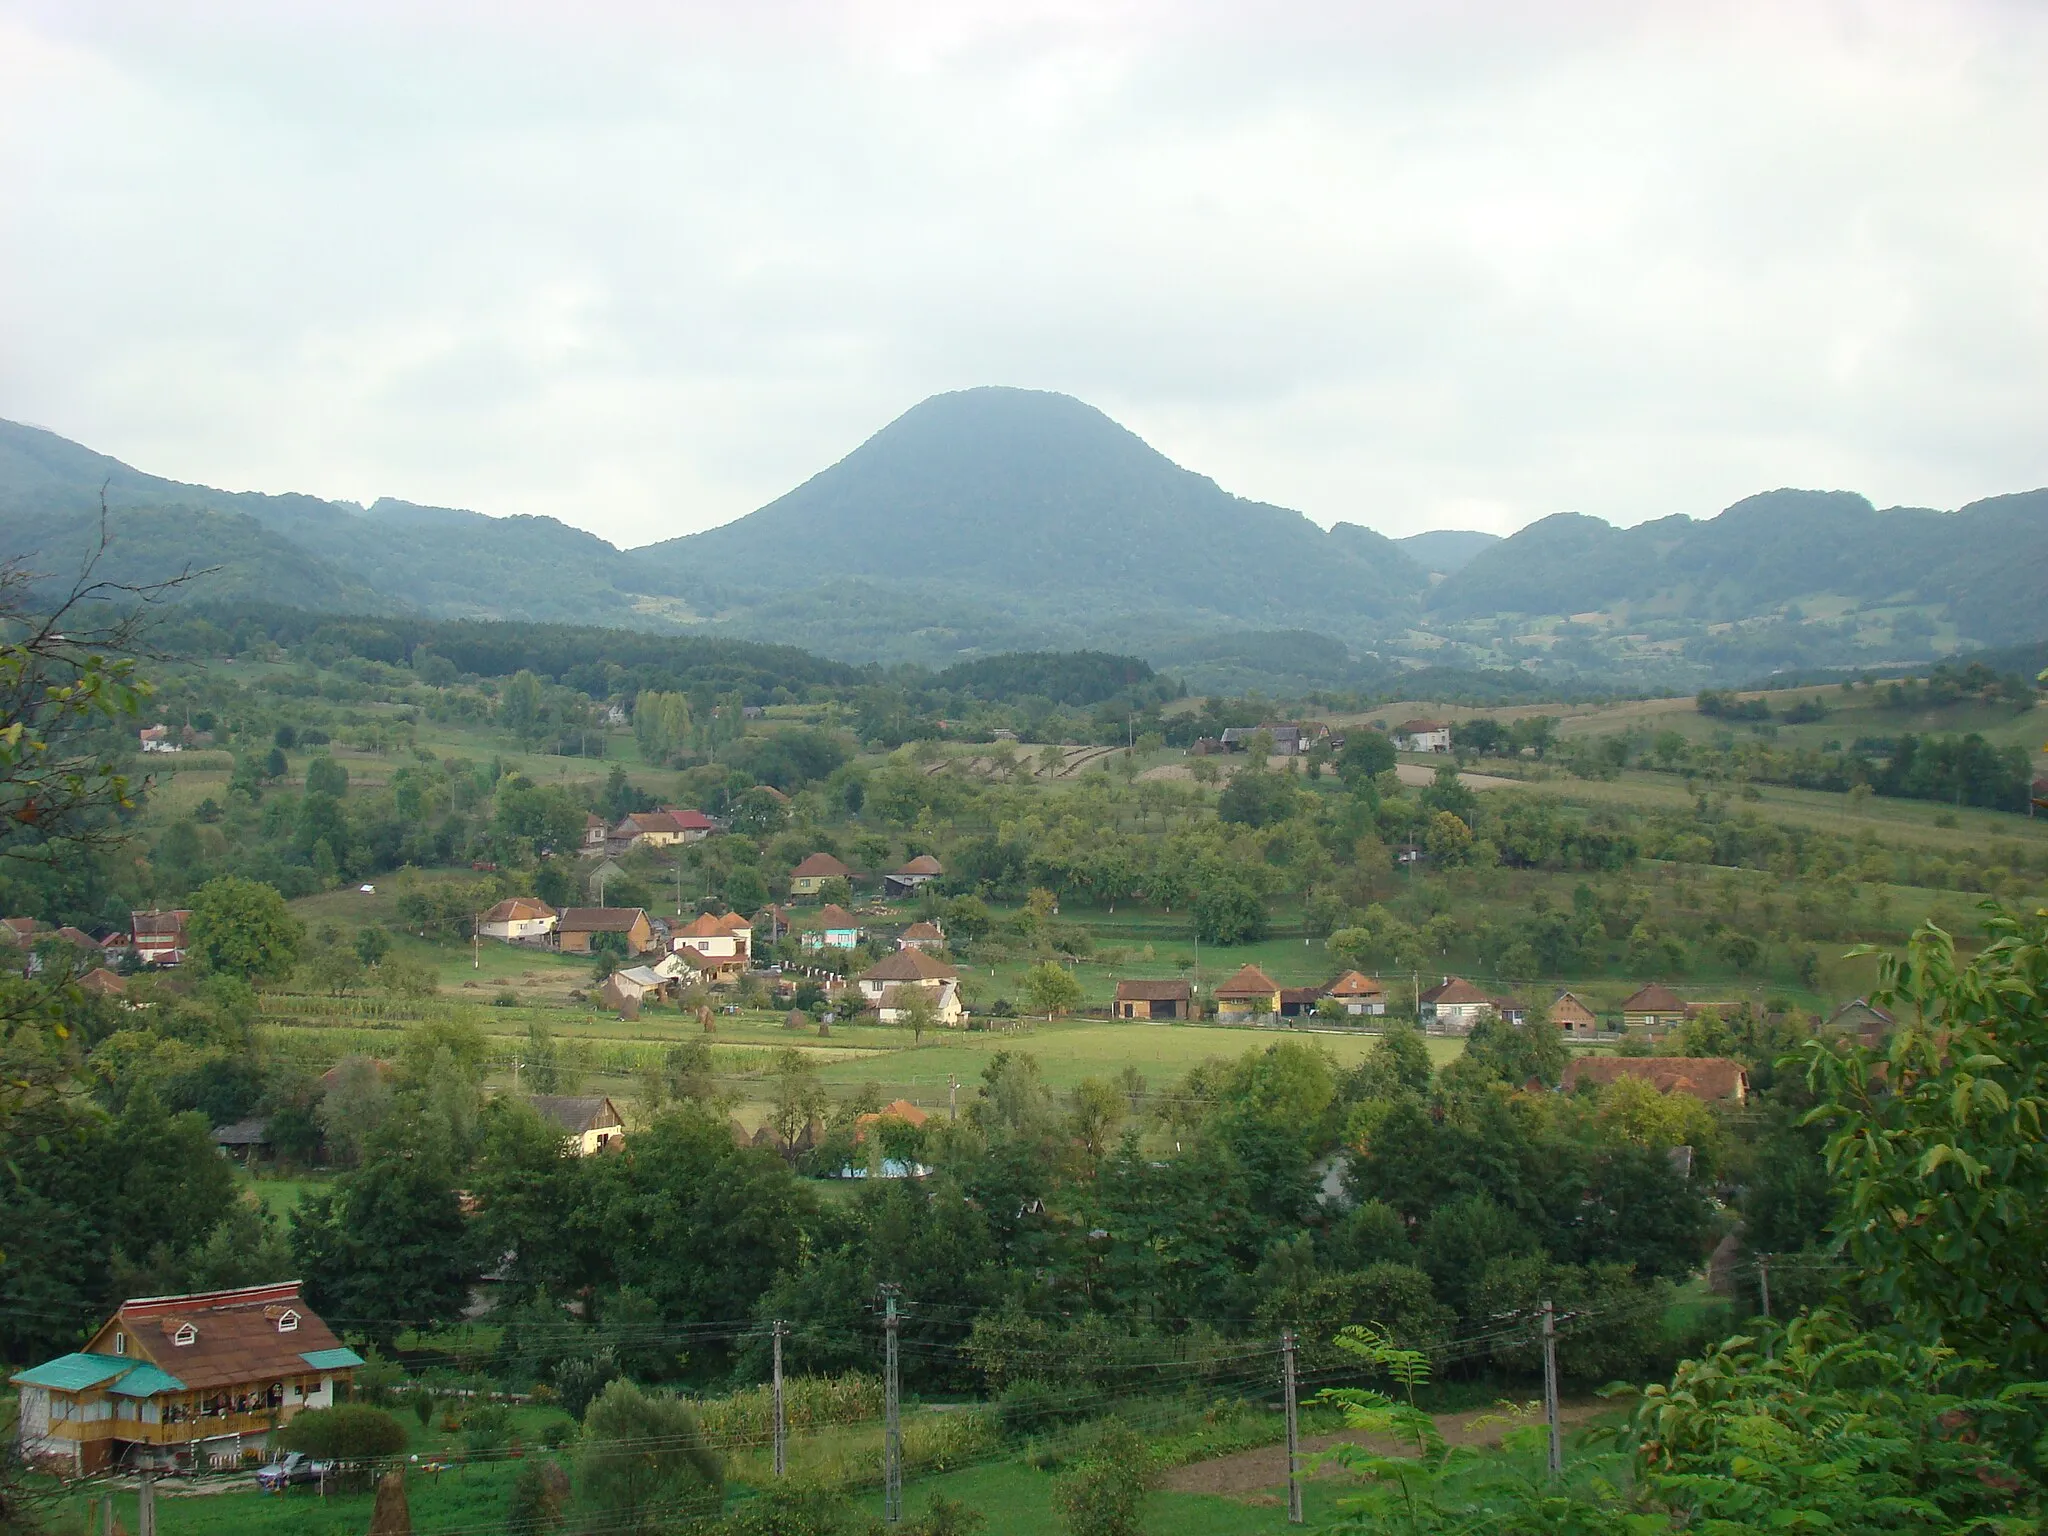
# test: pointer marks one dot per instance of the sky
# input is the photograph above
(644, 267)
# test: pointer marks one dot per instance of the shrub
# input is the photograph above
(486, 1427)
(1104, 1493)
(350, 1432)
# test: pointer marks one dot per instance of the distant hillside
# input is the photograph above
(1984, 566)
(1444, 550)
(1019, 492)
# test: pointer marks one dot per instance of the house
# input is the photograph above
(591, 1121)
(102, 982)
(183, 1382)
(1653, 1007)
(895, 1109)
(905, 881)
(1455, 1004)
(245, 1140)
(159, 936)
(887, 983)
(771, 925)
(663, 828)
(1863, 1019)
(158, 738)
(1153, 1000)
(925, 936)
(1251, 991)
(836, 929)
(628, 988)
(577, 927)
(1360, 995)
(1422, 736)
(809, 877)
(594, 830)
(1289, 738)
(1572, 1016)
(1710, 1079)
(676, 966)
(518, 919)
(723, 946)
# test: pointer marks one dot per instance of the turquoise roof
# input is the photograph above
(146, 1381)
(74, 1373)
(331, 1359)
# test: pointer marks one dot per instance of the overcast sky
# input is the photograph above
(645, 267)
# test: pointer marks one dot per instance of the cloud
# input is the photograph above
(645, 268)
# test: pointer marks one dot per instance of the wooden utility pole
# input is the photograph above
(1293, 1429)
(892, 1427)
(145, 1507)
(1763, 1280)
(1550, 1389)
(781, 1425)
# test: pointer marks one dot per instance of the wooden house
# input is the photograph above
(182, 1382)
(590, 1121)
(1653, 1007)
(577, 927)
(1572, 1016)
(905, 881)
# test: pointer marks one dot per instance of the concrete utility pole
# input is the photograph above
(1293, 1430)
(1763, 1280)
(953, 1097)
(781, 1425)
(145, 1508)
(892, 1427)
(1550, 1389)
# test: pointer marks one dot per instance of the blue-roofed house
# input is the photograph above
(185, 1382)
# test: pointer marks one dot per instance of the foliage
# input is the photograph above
(1051, 990)
(242, 928)
(346, 1432)
(644, 1462)
(540, 1500)
(1103, 1493)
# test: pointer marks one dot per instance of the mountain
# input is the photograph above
(1001, 520)
(1981, 569)
(1018, 494)
(1444, 550)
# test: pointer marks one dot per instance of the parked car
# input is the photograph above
(292, 1467)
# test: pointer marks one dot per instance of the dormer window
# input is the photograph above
(186, 1334)
(287, 1322)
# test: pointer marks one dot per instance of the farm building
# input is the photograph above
(1153, 1000)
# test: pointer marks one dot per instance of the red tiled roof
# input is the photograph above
(909, 965)
(1457, 990)
(690, 821)
(821, 866)
(923, 864)
(924, 931)
(599, 919)
(832, 915)
(1249, 982)
(1352, 984)
(1708, 1078)
(159, 925)
(518, 909)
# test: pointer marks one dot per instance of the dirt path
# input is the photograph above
(1251, 1472)
(1420, 774)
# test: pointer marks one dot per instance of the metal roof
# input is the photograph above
(332, 1359)
(146, 1380)
(75, 1372)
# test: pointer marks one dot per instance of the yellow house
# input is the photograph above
(185, 1382)
(809, 877)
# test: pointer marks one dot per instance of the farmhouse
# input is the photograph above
(837, 929)
(888, 982)
(102, 982)
(1710, 1079)
(1863, 1019)
(1289, 738)
(577, 927)
(159, 936)
(809, 877)
(1359, 994)
(1455, 1004)
(722, 946)
(627, 989)
(1153, 1000)
(662, 829)
(1422, 736)
(185, 1382)
(922, 936)
(1572, 1016)
(518, 919)
(590, 1121)
(905, 881)
(594, 830)
(1251, 991)
(1653, 1007)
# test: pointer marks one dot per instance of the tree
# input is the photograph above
(799, 1096)
(1255, 798)
(1097, 1110)
(1448, 839)
(1050, 989)
(385, 1249)
(242, 927)
(324, 776)
(1228, 910)
(1937, 1151)
(1367, 754)
(645, 1466)
(1103, 1493)
(916, 1010)
(346, 1432)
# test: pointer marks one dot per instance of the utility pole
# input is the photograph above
(781, 1425)
(476, 941)
(892, 1428)
(1293, 1429)
(1763, 1280)
(145, 1507)
(953, 1097)
(1550, 1389)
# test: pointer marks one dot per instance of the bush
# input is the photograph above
(644, 1462)
(1104, 1494)
(540, 1500)
(351, 1432)
(1031, 1407)
(486, 1427)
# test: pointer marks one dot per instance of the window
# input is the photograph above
(186, 1334)
(120, 1343)
(287, 1322)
